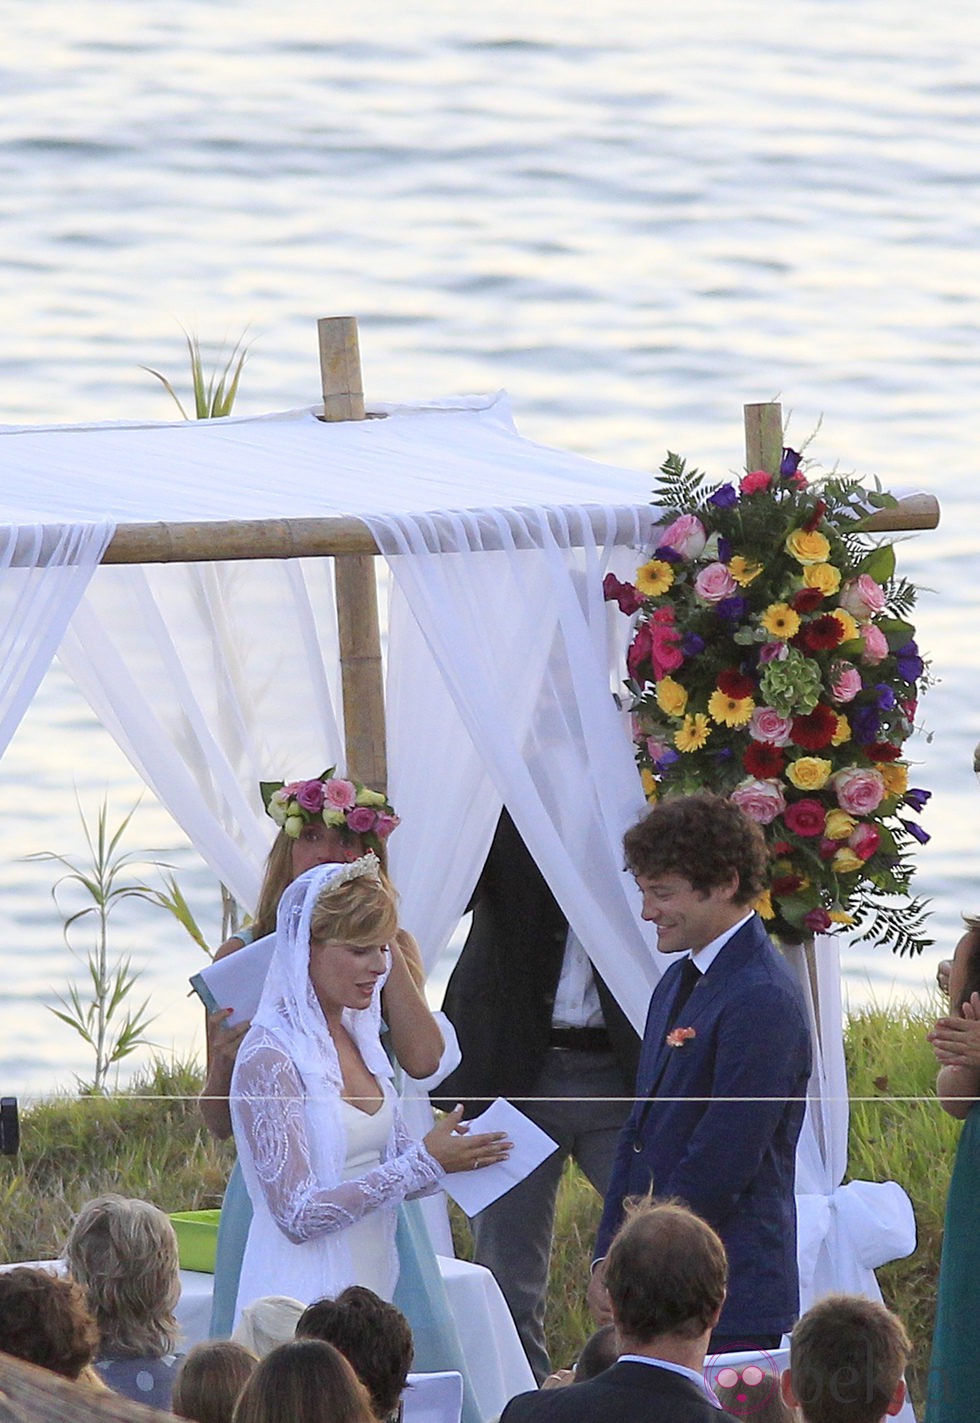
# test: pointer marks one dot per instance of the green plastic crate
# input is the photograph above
(197, 1239)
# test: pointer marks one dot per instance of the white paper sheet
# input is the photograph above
(236, 981)
(474, 1190)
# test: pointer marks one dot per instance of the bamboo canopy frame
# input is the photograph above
(352, 546)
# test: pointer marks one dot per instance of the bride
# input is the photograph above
(324, 1152)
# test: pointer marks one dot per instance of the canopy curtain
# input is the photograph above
(508, 666)
(212, 678)
(44, 571)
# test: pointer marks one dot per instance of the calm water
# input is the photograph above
(634, 221)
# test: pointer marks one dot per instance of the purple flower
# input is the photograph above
(667, 759)
(790, 462)
(884, 696)
(668, 554)
(724, 550)
(724, 753)
(773, 652)
(916, 799)
(908, 662)
(692, 645)
(731, 610)
(917, 832)
(865, 724)
(724, 497)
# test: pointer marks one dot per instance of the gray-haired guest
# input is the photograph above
(124, 1253)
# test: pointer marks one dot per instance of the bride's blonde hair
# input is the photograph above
(361, 911)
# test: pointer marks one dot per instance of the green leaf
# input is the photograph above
(879, 564)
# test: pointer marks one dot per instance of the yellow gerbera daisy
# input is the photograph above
(694, 733)
(895, 777)
(649, 783)
(763, 905)
(743, 570)
(779, 620)
(730, 711)
(654, 578)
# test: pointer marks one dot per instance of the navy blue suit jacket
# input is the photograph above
(626, 1393)
(733, 1163)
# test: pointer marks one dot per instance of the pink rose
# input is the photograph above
(761, 801)
(858, 791)
(875, 645)
(818, 921)
(665, 650)
(362, 820)
(862, 597)
(639, 651)
(657, 747)
(757, 482)
(309, 794)
(864, 840)
(686, 536)
(845, 682)
(766, 724)
(385, 824)
(805, 817)
(340, 794)
(714, 583)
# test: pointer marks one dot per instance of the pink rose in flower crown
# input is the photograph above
(845, 682)
(686, 536)
(864, 841)
(714, 583)
(385, 824)
(665, 640)
(761, 801)
(766, 724)
(309, 794)
(805, 817)
(340, 794)
(862, 597)
(859, 791)
(875, 645)
(756, 482)
(362, 820)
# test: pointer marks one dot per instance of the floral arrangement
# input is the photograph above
(339, 803)
(772, 661)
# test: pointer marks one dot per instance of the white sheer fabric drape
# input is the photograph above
(44, 571)
(213, 677)
(502, 693)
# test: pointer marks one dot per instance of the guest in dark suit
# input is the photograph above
(534, 1021)
(666, 1275)
(724, 1065)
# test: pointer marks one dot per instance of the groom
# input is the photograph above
(724, 1065)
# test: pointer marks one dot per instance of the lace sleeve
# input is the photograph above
(270, 1123)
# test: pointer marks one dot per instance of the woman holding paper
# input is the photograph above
(324, 1152)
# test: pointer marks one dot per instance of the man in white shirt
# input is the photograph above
(666, 1275)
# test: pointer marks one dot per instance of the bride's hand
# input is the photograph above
(458, 1149)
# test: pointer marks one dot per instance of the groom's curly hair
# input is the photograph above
(703, 837)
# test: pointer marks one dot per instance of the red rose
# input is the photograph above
(883, 751)
(819, 509)
(805, 817)
(807, 600)
(822, 634)
(818, 921)
(786, 885)
(624, 594)
(763, 761)
(815, 731)
(639, 652)
(779, 848)
(735, 684)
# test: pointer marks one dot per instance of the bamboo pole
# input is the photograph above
(764, 437)
(355, 583)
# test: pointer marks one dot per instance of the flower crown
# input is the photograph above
(338, 803)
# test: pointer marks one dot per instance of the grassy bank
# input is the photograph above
(151, 1142)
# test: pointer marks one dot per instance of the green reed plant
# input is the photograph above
(214, 391)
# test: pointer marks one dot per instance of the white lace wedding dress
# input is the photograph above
(325, 1179)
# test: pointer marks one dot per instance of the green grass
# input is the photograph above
(150, 1142)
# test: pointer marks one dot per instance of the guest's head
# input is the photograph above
(753, 1392)
(209, 1380)
(599, 1352)
(45, 1320)
(306, 1381)
(373, 1336)
(666, 1274)
(266, 1323)
(124, 1254)
(846, 1363)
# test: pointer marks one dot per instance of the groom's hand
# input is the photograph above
(597, 1296)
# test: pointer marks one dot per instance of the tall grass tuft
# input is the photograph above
(214, 391)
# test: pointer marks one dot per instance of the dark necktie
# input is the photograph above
(689, 976)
